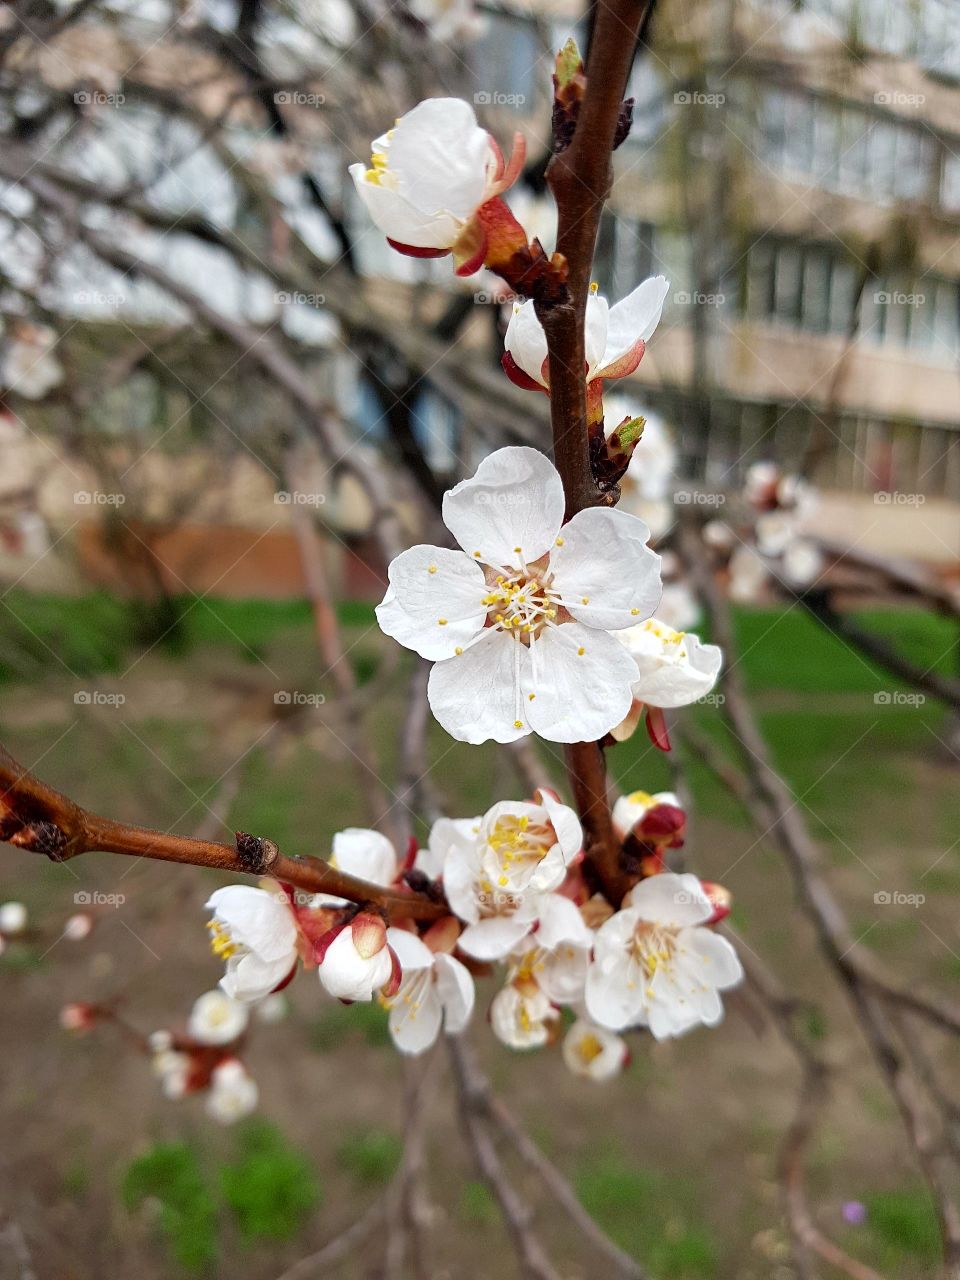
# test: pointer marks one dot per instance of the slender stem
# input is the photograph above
(580, 178)
(35, 817)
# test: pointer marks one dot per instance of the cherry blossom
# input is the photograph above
(217, 1019)
(615, 337)
(498, 872)
(13, 918)
(518, 621)
(432, 179)
(436, 991)
(554, 956)
(233, 1092)
(633, 808)
(673, 669)
(356, 961)
(361, 852)
(255, 932)
(594, 1052)
(656, 965)
(522, 1017)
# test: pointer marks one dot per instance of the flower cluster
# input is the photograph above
(772, 547)
(513, 880)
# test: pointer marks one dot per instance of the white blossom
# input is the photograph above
(233, 1092)
(593, 1052)
(497, 872)
(628, 810)
(517, 623)
(436, 991)
(13, 918)
(522, 1018)
(255, 932)
(614, 336)
(358, 963)
(655, 965)
(217, 1019)
(361, 852)
(554, 956)
(430, 174)
(673, 667)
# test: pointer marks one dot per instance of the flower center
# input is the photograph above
(518, 843)
(522, 604)
(653, 948)
(671, 640)
(589, 1048)
(221, 943)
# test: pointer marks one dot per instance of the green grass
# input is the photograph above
(649, 1215)
(339, 1023)
(268, 1189)
(370, 1155)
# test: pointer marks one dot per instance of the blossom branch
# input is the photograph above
(35, 817)
(580, 178)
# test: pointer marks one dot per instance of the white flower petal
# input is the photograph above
(635, 317)
(613, 1000)
(580, 683)
(670, 899)
(256, 919)
(475, 695)
(719, 964)
(595, 332)
(365, 853)
(605, 573)
(565, 823)
(415, 1026)
(494, 937)
(455, 988)
(593, 1052)
(412, 952)
(673, 670)
(398, 218)
(249, 977)
(441, 157)
(446, 834)
(526, 341)
(560, 922)
(434, 602)
(515, 499)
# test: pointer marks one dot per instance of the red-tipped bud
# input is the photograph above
(369, 934)
(78, 1016)
(720, 898)
(663, 824)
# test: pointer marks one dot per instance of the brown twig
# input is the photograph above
(516, 1213)
(35, 817)
(580, 178)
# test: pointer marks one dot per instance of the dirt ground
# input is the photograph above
(678, 1157)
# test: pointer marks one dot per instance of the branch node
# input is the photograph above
(256, 854)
